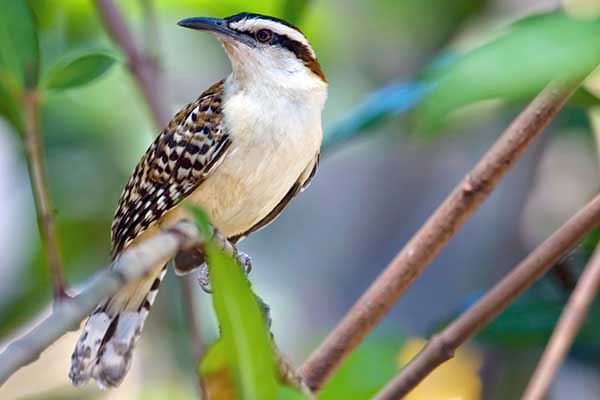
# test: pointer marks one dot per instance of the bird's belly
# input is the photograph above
(252, 179)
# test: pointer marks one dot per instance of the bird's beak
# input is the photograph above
(216, 26)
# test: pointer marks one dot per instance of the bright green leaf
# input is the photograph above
(243, 328)
(19, 49)
(517, 65)
(201, 220)
(245, 338)
(80, 70)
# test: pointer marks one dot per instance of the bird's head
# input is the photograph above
(265, 50)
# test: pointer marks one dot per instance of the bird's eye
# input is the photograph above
(264, 35)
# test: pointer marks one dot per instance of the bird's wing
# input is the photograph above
(301, 183)
(178, 161)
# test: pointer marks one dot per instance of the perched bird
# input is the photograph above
(241, 151)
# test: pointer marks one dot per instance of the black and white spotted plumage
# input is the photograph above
(242, 162)
(179, 160)
(175, 164)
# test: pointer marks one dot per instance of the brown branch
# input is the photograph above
(433, 236)
(143, 67)
(441, 347)
(571, 319)
(39, 188)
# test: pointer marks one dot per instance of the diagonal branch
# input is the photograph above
(571, 319)
(433, 236)
(132, 264)
(143, 67)
(441, 347)
(39, 186)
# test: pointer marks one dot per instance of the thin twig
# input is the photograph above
(143, 67)
(433, 236)
(571, 319)
(441, 347)
(132, 264)
(39, 187)
(192, 320)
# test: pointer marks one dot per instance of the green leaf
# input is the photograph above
(73, 71)
(19, 49)
(202, 220)
(245, 338)
(517, 65)
(243, 328)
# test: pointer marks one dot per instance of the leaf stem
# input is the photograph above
(39, 187)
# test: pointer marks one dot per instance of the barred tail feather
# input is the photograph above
(104, 349)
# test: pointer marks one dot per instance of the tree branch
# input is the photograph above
(133, 263)
(433, 236)
(39, 188)
(571, 319)
(143, 67)
(441, 347)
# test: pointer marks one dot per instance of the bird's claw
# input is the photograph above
(204, 279)
(243, 260)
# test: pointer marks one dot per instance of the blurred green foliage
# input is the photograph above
(515, 66)
(83, 128)
(19, 59)
(365, 371)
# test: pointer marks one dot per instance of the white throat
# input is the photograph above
(273, 73)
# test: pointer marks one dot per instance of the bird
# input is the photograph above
(241, 151)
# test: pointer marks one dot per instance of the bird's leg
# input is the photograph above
(242, 259)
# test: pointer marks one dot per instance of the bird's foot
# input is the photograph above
(204, 278)
(244, 261)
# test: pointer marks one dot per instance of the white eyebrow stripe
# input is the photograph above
(255, 24)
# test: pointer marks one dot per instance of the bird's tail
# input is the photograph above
(104, 349)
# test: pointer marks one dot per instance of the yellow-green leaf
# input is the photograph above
(74, 71)
(243, 329)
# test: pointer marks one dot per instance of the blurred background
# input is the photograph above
(370, 195)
